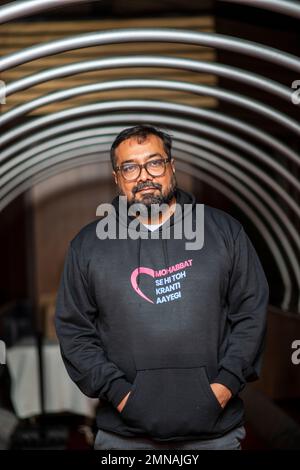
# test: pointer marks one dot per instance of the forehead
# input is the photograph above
(136, 147)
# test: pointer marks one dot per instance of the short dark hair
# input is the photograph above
(141, 132)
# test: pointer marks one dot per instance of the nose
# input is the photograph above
(144, 176)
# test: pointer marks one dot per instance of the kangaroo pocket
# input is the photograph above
(172, 401)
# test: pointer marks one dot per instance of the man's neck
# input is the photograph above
(161, 217)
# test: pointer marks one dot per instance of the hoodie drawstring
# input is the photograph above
(165, 250)
(139, 260)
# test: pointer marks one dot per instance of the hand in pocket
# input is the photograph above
(172, 401)
(123, 402)
(222, 393)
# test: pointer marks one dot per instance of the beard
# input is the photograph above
(151, 202)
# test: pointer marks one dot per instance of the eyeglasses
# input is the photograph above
(132, 171)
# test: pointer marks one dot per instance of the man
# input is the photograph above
(166, 337)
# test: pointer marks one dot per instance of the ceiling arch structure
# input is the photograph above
(216, 148)
(79, 157)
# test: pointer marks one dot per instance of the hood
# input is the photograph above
(122, 218)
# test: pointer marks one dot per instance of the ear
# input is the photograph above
(173, 165)
(115, 177)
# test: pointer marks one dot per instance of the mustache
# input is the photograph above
(146, 185)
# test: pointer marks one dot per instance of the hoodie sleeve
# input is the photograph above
(247, 297)
(80, 343)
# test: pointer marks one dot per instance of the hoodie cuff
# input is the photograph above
(118, 390)
(229, 380)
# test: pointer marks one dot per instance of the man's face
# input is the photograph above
(145, 189)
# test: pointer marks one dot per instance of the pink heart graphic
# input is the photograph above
(133, 280)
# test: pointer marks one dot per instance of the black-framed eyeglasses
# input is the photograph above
(132, 171)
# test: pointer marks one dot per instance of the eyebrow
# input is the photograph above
(147, 158)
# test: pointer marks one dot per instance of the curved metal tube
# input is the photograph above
(285, 7)
(6, 175)
(160, 106)
(204, 113)
(221, 94)
(258, 223)
(217, 41)
(211, 180)
(15, 10)
(221, 70)
(258, 107)
(211, 156)
(68, 138)
(8, 182)
(276, 227)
